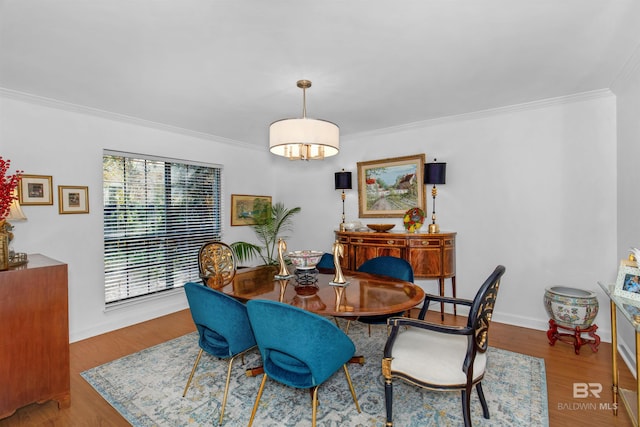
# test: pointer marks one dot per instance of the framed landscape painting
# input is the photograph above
(247, 209)
(389, 187)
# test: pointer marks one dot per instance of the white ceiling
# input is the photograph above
(229, 68)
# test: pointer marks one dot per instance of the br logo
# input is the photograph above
(584, 390)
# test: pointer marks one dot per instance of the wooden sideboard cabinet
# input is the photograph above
(432, 256)
(34, 335)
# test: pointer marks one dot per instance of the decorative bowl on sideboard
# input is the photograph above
(381, 228)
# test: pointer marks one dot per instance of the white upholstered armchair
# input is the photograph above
(440, 357)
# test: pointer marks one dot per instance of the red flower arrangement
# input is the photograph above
(8, 183)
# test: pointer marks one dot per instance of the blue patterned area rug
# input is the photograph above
(146, 388)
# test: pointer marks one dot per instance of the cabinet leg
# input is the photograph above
(441, 282)
(64, 401)
(453, 290)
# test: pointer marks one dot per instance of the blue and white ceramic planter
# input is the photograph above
(571, 307)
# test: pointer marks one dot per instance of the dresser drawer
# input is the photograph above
(378, 241)
(419, 243)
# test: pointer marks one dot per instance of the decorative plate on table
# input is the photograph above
(413, 219)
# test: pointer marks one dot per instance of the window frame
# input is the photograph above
(169, 251)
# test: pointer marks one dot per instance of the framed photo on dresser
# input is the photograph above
(628, 281)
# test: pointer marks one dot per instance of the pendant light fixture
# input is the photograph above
(304, 138)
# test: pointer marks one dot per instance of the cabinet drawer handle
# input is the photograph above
(390, 242)
(359, 240)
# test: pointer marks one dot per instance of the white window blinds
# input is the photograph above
(157, 215)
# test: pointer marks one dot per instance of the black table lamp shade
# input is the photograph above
(343, 180)
(434, 173)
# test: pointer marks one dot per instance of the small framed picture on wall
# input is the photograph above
(249, 210)
(36, 190)
(73, 199)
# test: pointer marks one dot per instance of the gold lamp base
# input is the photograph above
(434, 228)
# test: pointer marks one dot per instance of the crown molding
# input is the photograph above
(534, 105)
(81, 109)
(629, 71)
(544, 103)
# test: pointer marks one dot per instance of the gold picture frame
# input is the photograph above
(36, 190)
(247, 209)
(73, 199)
(389, 187)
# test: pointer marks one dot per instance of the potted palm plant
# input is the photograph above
(268, 230)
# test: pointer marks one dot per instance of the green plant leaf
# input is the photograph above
(268, 230)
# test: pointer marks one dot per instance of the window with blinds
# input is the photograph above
(157, 214)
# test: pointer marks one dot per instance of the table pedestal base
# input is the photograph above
(575, 337)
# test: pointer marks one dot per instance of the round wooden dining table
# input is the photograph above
(364, 294)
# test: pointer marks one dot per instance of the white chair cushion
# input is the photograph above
(433, 358)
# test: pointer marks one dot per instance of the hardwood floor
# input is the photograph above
(563, 368)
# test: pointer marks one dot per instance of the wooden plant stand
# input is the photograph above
(575, 338)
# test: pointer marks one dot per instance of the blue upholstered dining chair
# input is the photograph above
(397, 268)
(224, 328)
(325, 265)
(441, 357)
(299, 348)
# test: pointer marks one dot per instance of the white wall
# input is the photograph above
(627, 90)
(68, 146)
(531, 187)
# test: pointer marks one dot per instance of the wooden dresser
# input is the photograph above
(34, 335)
(432, 256)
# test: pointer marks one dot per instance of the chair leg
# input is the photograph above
(335, 319)
(369, 329)
(314, 406)
(483, 402)
(466, 406)
(255, 405)
(226, 388)
(388, 401)
(193, 371)
(353, 391)
(346, 331)
(423, 310)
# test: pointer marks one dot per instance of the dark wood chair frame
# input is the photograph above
(476, 331)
